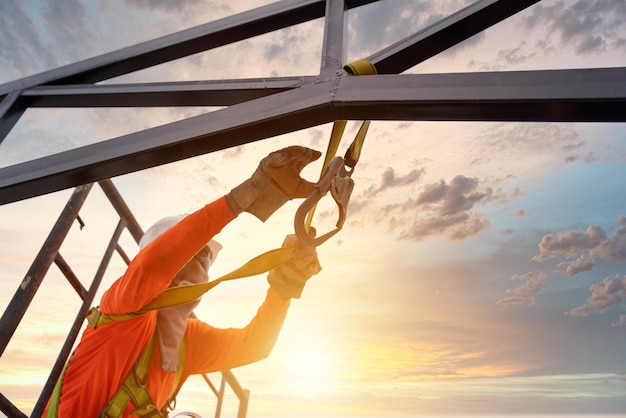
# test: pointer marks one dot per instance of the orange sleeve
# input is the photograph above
(212, 349)
(152, 270)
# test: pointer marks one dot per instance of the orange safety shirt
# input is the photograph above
(106, 355)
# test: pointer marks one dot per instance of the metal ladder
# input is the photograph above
(48, 254)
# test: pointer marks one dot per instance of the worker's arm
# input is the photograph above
(152, 270)
(212, 349)
(275, 181)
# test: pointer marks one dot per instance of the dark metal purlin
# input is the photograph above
(584, 95)
(597, 95)
(44, 259)
(78, 323)
(335, 35)
(181, 44)
(250, 121)
(394, 59)
(11, 110)
(188, 93)
(444, 34)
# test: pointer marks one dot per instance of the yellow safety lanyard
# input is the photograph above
(269, 260)
(334, 178)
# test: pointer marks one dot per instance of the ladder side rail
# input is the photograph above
(78, 322)
(122, 209)
(9, 409)
(48, 253)
(28, 287)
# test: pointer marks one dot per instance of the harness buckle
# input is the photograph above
(337, 180)
(93, 317)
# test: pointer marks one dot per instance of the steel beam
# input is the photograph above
(444, 34)
(584, 95)
(11, 110)
(189, 93)
(594, 95)
(201, 38)
(335, 35)
(250, 121)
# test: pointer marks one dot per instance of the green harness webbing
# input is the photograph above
(134, 388)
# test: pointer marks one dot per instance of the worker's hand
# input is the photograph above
(275, 181)
(289, 278)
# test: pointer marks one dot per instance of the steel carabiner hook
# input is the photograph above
(336, 180)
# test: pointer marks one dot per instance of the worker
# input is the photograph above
(181, 254)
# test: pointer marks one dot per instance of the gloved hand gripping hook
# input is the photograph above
(336, 179)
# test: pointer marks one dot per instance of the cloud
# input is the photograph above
(604, 295)
(367, 34)
(570, 243)
(24, 49)
(532, 285)
(580, 250)
(583, 263)
(516, 300)
(286, 44)
(166, 6)
(458, 196)
(621, 320)
(441, 208)
(510, 140)
(455, 227)
(584, 247)
(389, 180)
(517, 55)
(403, 18)
(446, 209)
(537, 274)
(588, 25)
(520, 213)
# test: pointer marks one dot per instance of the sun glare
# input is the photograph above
(309, 363)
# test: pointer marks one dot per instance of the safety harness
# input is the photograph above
(335, 177)
(134, 388)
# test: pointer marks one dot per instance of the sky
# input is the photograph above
(482, 267)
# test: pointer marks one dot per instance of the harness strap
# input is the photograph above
(179, 295)
(134, 388)
(53, 406)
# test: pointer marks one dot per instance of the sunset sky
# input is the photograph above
(482, 268)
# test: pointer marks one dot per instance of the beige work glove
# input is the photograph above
(289, 278)
(275, 181)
